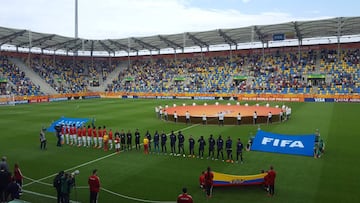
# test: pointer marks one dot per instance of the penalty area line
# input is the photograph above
(72, 168)
(87, 187)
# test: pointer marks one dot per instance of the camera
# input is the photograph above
(76, 172)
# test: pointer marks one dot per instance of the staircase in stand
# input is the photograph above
(34, 77)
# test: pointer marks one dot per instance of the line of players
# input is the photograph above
(95, 137)
(102, 139)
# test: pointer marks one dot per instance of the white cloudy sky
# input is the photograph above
(103, 19)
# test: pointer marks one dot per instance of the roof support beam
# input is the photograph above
(92, 48)
(260, 35)
(76, 47)
(144, 44)
(297, 31)
(197, 41)
(7, 38)
(37, 41)
(57, 45)
(106, 47)
(170, 43)
(121, 46)
(226, 37)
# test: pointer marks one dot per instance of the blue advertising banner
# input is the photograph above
(319, 100)
(67, 121)
(284, 144)
(278, 36)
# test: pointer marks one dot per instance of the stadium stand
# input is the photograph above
(344, 71)
(277, 72)
(17, 82)
(71, 76)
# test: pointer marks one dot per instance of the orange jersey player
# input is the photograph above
(106, 142)
(146, 145)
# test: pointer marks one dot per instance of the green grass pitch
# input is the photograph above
(134, 177)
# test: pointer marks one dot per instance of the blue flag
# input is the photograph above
(67, 121)
(284, 144)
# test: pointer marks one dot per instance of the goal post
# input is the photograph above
(7, 100)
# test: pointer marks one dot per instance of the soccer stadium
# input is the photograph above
(289, 92)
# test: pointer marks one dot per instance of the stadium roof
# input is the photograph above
(333, 27)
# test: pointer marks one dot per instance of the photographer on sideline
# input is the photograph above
(57, 185)
(67, 183)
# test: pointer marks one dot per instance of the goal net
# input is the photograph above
(7, 100)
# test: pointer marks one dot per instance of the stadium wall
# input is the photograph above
(190, 96)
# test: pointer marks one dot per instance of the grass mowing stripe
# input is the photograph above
(162, 177)
(340, 170)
